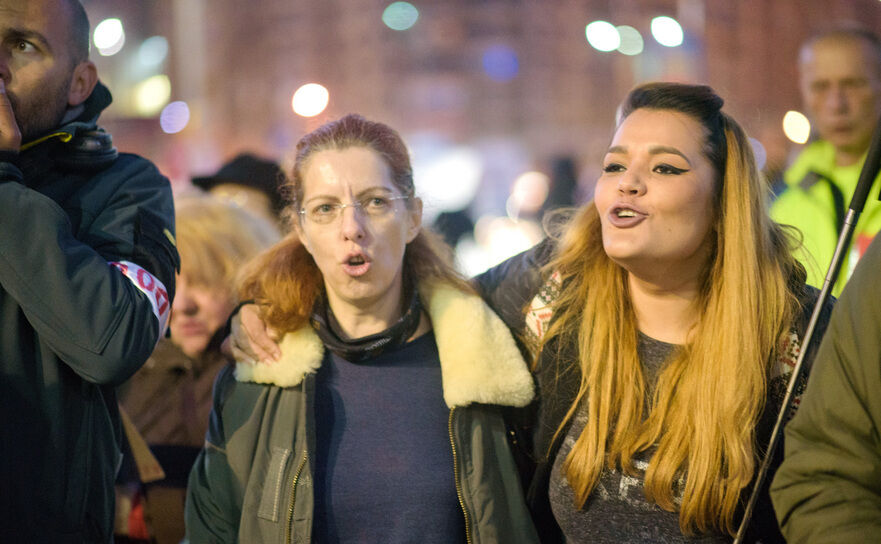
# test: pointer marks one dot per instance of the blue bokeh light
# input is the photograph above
(500, 63)
(174, 117)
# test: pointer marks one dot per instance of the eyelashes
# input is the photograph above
(669, 169)
(663, 169)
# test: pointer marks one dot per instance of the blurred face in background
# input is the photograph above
(841, 89)
(198, 311)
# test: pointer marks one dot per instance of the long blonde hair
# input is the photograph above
(286, 280)
(708, 399)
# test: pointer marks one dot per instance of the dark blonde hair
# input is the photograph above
(708, 399)
(215, 239)
(286, 280)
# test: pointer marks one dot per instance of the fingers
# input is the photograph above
(226, 348)
(239, 345)
(10, 134)
(250, 340)
(262, 340)
(241, 356)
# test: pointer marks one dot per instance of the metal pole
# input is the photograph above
(857, 203)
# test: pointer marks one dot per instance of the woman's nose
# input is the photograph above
(352, 222)
(630, 183)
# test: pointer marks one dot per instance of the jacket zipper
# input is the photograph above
(459, 493)
(288, 529)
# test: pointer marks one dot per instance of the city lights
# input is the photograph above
(500, 63)
(174, 117)
(153, 51)
(310, 100)
(435, 166)
(631, 41)
(109, 37)
(796, 127)
(602, 36)
(667, 31)
(400, 15)
(151, 95)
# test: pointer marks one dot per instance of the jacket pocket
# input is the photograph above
(271, 498)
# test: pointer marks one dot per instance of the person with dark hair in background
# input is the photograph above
(840, 81)
(87, 266)
(828, 488)
(249, 182)
(381, 421)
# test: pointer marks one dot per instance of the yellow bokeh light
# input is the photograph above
(310, 100)
(796, 127)
(151, 95)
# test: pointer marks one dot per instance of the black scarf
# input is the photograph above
(368, 347)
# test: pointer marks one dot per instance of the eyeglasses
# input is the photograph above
(323, 213)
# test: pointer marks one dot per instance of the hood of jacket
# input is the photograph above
(85, 118)
(480, 362)
(78, 146)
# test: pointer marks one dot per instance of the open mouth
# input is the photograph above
(624, 217)
(356, 265)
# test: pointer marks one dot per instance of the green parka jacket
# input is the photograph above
(828, 488)
(252, 481)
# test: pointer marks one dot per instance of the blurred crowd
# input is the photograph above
(135, 310)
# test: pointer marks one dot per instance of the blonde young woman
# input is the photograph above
(380, 422)
(665, 317)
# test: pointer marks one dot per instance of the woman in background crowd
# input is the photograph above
(379, 421)
(169, 399)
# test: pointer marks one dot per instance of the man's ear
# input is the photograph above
(82, 82)
(415, 216)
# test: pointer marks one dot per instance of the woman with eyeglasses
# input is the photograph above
(380, 421)
(664, 318)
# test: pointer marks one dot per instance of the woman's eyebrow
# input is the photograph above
(375, 189)
(662, 149)
(654, 150)
(368, 190)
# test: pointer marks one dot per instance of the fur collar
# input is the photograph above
(480, 363)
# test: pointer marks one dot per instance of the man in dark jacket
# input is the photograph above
(87, 264)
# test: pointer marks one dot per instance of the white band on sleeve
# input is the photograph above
(150, 285)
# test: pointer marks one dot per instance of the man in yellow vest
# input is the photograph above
(840, 81)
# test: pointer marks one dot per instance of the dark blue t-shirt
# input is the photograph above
(384, 462)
